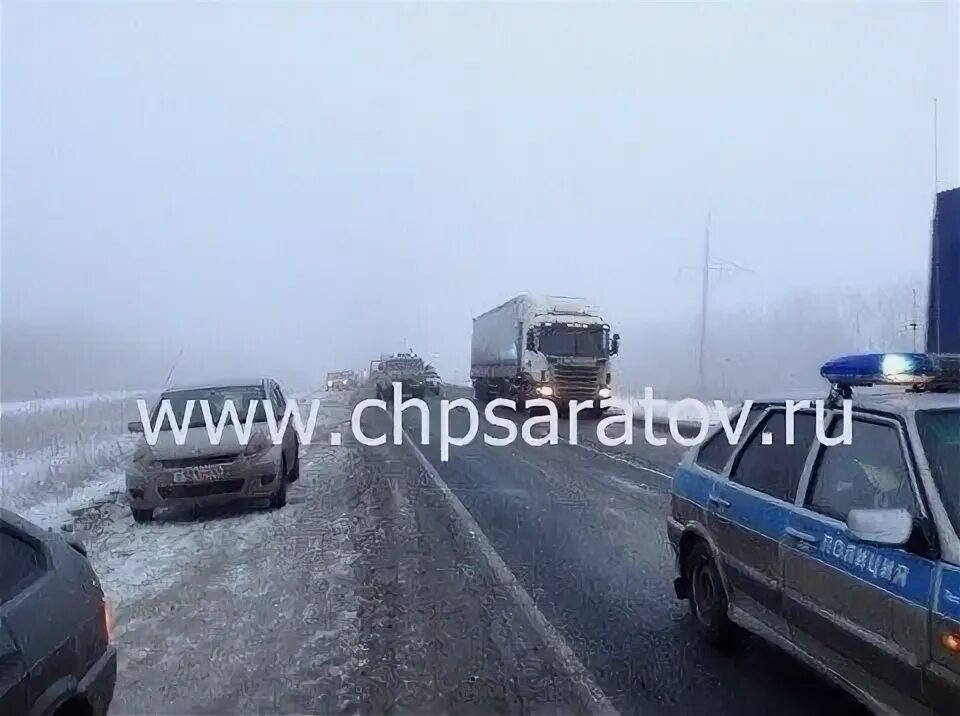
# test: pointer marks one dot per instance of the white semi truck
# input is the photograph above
(550, 347)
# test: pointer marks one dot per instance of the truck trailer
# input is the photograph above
(551, 347)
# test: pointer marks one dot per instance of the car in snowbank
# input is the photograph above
(201, 472)
(55, 653)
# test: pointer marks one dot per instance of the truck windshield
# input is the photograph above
(940, 434)
(560, 340)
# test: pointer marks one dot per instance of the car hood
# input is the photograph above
(197, 443)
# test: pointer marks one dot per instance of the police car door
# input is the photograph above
(860, 608)
(748, 513)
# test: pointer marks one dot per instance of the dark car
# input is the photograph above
(55, 652)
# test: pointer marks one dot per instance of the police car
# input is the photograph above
(841, 546)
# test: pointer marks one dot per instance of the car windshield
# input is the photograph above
(560, 340)
(940, 434)
(216, 398)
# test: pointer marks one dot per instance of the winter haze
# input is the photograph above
(290, 189)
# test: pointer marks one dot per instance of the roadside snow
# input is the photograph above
(75, 402)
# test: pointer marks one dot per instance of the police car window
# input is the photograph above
(940, 434)
(20, 564)
(870, 473)
(775, 469)
(716, 452)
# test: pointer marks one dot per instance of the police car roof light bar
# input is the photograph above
(920, 371)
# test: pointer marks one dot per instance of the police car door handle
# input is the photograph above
(719, 502)
(802, 536)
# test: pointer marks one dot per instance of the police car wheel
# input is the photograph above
(708, 598)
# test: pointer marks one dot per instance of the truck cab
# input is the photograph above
(568, 358)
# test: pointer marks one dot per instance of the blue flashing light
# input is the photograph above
(907, 369)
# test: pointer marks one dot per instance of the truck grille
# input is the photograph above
(200, 489)
(577, 382)
(198, 461)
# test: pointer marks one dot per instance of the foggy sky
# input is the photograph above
(295, 188)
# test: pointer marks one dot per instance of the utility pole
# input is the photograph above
(936, 152)
(710, 263)
(914, 323)
(704, 292)
(933, 283)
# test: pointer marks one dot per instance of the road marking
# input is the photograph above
(590, 695)
(617, 458)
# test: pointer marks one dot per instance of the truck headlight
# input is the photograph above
(545, 390)
(329, 383)
(605, 393)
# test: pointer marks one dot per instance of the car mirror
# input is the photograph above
(531, 340)
(615, 344)
(883, 527)
(135, 426)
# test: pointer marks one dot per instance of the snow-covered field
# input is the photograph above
(59, 454)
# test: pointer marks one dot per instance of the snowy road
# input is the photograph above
(510, 580)
(353, 597)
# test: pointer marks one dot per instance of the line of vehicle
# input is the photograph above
(591, 696)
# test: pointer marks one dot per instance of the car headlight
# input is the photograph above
(605, 393)
(545, 390)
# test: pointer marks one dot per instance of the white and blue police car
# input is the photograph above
(832, 529)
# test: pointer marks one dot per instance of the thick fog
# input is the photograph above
(290, 189)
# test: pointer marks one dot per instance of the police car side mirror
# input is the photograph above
(882, 527)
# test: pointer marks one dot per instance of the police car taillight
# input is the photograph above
(906, 369)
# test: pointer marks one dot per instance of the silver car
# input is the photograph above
(200, 471)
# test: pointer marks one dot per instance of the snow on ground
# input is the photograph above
(57, 454)
(199, 599)
(684, 411)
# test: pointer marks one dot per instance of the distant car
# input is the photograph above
(344, 380)
(199, 472)
(845, 555)
(432, 382)
(55, 652)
